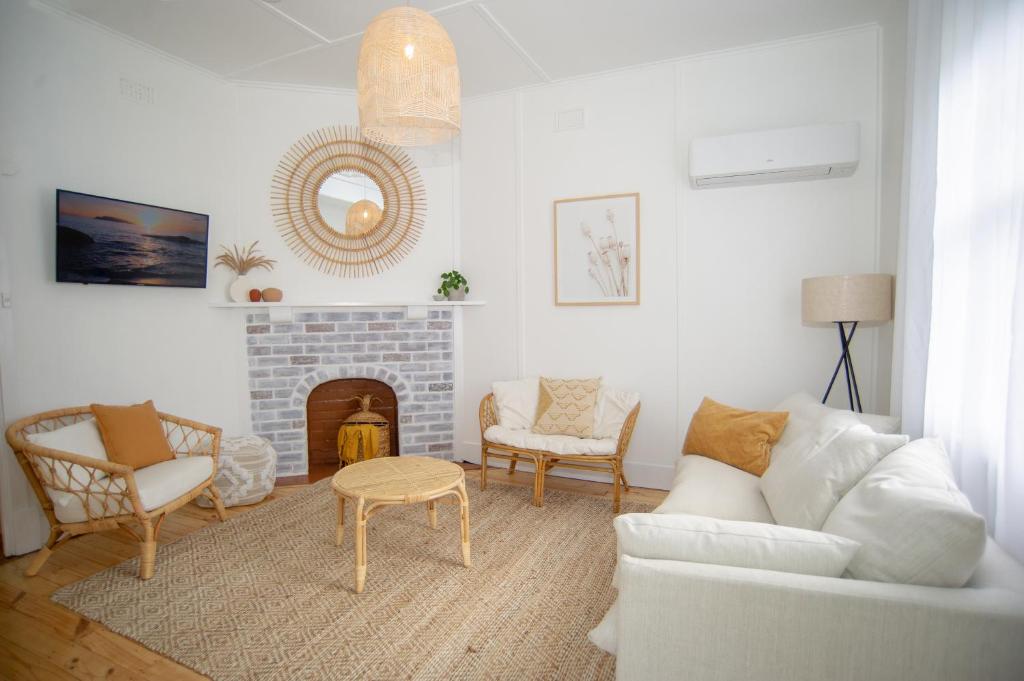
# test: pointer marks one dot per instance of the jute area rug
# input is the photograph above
(267, 595)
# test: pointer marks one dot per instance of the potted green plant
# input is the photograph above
(454, 286)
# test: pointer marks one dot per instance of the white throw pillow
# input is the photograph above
(914, 525)
(808, 427)
(613, 407)
(516, 402)
(82, 438)
(803, 487)
(761, 546)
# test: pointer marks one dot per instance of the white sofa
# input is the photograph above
(698, 619)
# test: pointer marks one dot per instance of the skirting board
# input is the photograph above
(651, 476)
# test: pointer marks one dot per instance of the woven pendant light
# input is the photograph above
(408, 80)
(362, 216)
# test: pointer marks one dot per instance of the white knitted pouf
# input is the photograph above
(246, 470)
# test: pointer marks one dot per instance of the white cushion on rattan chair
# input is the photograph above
(555, 444)
(613, 407)
(82, 438)
(157, 484)
(166, 481)
(516, 402)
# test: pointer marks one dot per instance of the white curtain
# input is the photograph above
(962, 294)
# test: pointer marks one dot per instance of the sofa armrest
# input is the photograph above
(690, 620)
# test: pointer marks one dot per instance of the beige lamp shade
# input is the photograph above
(408, 80)
(847, 298)
(362, 216)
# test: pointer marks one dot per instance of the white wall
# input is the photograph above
(65, 125)
(720, 269)
(266, 122)
(204, 145)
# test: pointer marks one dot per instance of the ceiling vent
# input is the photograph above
(813, 152)
(570, 119)
(137, 92)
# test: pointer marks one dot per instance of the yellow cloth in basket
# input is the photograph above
(355, 439)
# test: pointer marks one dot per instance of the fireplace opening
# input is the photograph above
(330, 403)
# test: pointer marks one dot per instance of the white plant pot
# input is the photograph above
(239, 289)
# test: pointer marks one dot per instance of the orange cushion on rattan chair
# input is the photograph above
(133, 435)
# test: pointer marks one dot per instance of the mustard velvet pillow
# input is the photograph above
(566, 406)
(133, 436)
(738, 437)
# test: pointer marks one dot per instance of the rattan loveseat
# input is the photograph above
(544, 461)
(93, 495)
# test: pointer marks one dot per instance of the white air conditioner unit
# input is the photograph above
(785, 155)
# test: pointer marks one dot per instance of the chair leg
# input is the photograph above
(538, 484)
(625, 485)
(43, 554)
(148, 558)
(464, 524)
(483, 468)
(617, 498)
(218, 502)
(512, 465)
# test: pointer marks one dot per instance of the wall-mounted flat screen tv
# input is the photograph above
(109, 241)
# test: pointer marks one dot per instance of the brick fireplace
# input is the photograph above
(411, 357)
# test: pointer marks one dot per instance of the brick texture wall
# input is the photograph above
(413, 356)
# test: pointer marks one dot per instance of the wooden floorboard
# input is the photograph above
(42, 640)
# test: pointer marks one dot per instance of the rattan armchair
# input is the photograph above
(107, 491)
(544, 461)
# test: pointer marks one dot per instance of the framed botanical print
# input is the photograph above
(597, 250)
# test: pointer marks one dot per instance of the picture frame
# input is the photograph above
(597, 250)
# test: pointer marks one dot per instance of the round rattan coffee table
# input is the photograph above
(397, 480)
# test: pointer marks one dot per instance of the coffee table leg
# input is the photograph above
(360, 547)
(339, 532)
(432, 513)
(464, 516)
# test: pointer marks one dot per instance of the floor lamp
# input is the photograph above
(848, 299)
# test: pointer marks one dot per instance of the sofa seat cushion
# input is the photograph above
(706, 487)
(158, 484)
(556, 444)
(997, 570)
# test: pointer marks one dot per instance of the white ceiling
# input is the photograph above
(501, 44)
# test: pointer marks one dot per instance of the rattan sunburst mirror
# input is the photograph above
(348, 206)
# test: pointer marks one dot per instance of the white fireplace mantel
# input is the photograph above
(282, 312)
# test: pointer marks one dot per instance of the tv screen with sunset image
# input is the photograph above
(108, 241)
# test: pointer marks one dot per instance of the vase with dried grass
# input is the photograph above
(241, 261)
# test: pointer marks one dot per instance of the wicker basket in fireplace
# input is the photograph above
(366, 417)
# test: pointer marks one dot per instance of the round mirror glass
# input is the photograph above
(350, 202)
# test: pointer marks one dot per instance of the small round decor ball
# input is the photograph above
(273, 295)
(254, 295)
